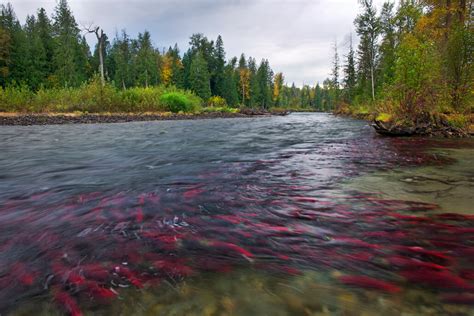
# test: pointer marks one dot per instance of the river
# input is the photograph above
(306, 214)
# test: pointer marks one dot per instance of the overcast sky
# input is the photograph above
(295, 35)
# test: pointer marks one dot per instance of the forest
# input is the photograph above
(47, 65)
(413, 63)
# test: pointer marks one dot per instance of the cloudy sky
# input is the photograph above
(295, 35)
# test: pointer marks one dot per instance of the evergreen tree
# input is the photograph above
(230, 83)
(83, 61)
(146, 62)
(318, 98)
(254, 86)
(386, 69)
(199, 78)
(44, 30)
(264, 79)
(187, 59)
(68, 69)
(121, 55)
(177, 69)
(349, 73)
(37, 59)
(17, 63)
(219, 55)
(368, 28)
(199, 43)
(4, 55)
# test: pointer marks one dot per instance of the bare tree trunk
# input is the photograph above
(100, 35)
(101, 60)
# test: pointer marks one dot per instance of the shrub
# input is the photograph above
(176, 102)
(15, 99)
(384, 117)
(458, 120)
(217, 101)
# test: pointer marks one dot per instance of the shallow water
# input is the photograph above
(308, 214)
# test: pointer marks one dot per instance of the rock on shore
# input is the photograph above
(47, 119)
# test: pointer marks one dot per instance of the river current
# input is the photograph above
(306, 214)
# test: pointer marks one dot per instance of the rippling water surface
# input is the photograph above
(307, 214)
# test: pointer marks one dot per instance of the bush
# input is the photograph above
(217, 101)
(15, 99)
(458, 120)
(176, 102)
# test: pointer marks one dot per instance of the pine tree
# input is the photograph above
(254, 86)
(230, 85)
(350, 73)
(4, 55)
(219, 55)
(177, 68)
(68, 50)
(387, 59)
(368, 28)
(318, 97)
(37, 59)
(146, 62)
(199, 77)
(121, 56)
(44, 30)
(264, 78)
(199, 43)
(18, 49)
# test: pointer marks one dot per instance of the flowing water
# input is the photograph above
(307, 214)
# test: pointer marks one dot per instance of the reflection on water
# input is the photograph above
(229, 217)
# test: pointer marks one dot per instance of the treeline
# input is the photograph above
(412, 61)
(53, 53)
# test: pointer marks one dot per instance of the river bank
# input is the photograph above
(436, 125)
(19, 119)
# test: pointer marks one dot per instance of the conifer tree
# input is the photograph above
(350, 73)
(387, 59)
(146, 62)
(121, 55)
(230, 84)
(264, 79)
(199, 77)
(68, 69)
(37, 59)
(17, 62)
(219, 55)
(4, 55)
(254, 86)
(368, 28)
